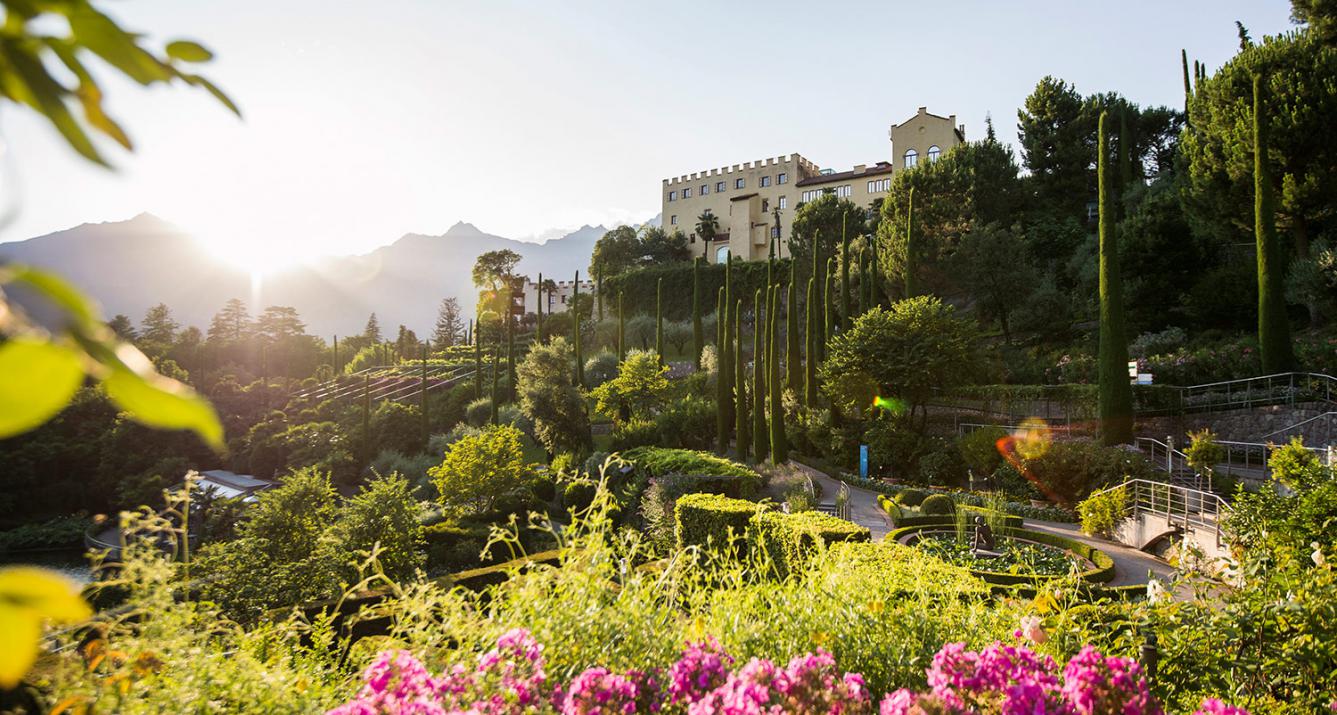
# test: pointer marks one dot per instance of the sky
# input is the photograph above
(363, 121)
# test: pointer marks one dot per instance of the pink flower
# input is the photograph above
(702, 668)
(1212, 706)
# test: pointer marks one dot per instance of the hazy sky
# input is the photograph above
(366, 120)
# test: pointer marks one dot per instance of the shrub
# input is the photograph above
(712, 473)
(1148, 344)
(478, 412)
(600, 368)
(688, 423)
(1101, 513)
(479, 468)
(938, 505)
(942, 467)
(791, 540)
(551, 400)
(451, 547)
(57, 532)
(640, 388)
(912, 497)
(1203, 451)
(979, 450)
(894, 446)
(711, 519)
(1071, 469)
(634, 433)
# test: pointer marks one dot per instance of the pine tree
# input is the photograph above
(1274, 333)
(911, 250)
(740, 386)
(621, 330)
(779, 450)
(447, 330)
(793, 361)
(844, 277)
(698, 334)
(1116, 395)
(759, 439)
(810, 383)
(659, 320)
(575, 330)
(722, 395)
(373, 330)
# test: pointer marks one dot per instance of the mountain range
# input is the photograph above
(129, 266)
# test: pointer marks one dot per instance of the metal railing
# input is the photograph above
(1173, 462)
(1180, 506)
(1283, 388)
(1325, 416)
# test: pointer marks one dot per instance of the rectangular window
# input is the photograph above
(673, 196)
(687, 193)
(784, 202)
(775, 231)
(782, 178)
(739, 183)
(765, 181)
(719, 187)
(765, 206)
(691, 238)
(673, 220)
(705, 189)
(870, 186)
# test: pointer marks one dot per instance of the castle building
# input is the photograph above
(556, 300)
(755, 202)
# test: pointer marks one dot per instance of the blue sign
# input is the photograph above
(863, 461)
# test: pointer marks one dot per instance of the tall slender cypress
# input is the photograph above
(599, 292)
(722, 395)
(911, 250)
(810, 330)
(698, 335)
(621, 330)
(478, 363)
(659, 320)
(1116, 395)
(510, 359)
(496, 398)
(741, 415)
(334, 361)
(727, 350)
(422, 395)
(759, 439)
(779, 450)
(1274, 333)
(829, 309)
(793, 361)
(844, 277)
(538, 313)
(1188, 88)
(575, 332)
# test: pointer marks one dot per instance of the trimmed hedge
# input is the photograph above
(938, 505)
(702, 519)
(715, 473)
(1103, 571)
(1042, 513)
(912, 497)
(639, 292)
(790, 540)
(902, 518)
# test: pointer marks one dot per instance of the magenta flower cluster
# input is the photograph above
(998, 680)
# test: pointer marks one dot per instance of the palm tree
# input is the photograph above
(707, 226)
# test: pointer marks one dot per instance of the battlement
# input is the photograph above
(780, 162)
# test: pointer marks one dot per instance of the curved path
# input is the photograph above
(1131, 567)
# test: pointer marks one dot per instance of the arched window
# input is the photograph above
(911, 158)
(934, 153)
(722, 254)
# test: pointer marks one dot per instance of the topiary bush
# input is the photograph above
(938, 505)
(790, 540)
(479, 412)
(912, 497)
(711, 520)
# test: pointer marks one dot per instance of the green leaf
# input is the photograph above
(37, 380)
(89, 94)
(199, 81)
(162, 402)
(55, 289)
(29, 596)
(29, 83)
(188, 51)
(100, 34)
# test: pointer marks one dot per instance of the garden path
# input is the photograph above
(1131, 566)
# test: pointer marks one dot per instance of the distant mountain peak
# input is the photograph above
(463, 228)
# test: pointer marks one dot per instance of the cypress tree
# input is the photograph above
(510, 359)
(810, 383)
(1188, 88)
(621, 330)
(599, 292)
(496, 399)
(728, 351)
(740, 385)
(1116, 395)
(863, 287)
(334, 361)
(1274, 333)
(698, 335)
(844, 277)
(758, 383)
(659, 320)
(911, 250)
(779, 450)
(575, 331)
(722, 395)
(478, 364)
(829, 310)
(793, 361)
(538, 313)
(422, 395)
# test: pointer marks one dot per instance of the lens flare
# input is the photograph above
(895, 406)
(1032, 438)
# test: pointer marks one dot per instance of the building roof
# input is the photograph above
(231, 485)
(882, 167)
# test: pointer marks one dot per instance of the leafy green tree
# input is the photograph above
(640, 388)
(991, 264)
(449, 324)
(819, 224)
(495, 270)
(550, 399)
(1319, 15)
(617, 251)
(658, 246)
(1054, 130)
(1274, 334)
(793, 359)
(707, 226)
(741, 418)
(383, 514)
(480, 468)
(779, 445)
(905, 352)
(1301, 156)
(1116, 395)
(760, 437)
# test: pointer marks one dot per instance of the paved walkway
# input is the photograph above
(1130, 565)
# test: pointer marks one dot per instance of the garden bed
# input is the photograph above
(1025, 548)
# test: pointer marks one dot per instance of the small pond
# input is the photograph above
(70, 562)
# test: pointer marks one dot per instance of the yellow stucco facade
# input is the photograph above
(755, 201)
